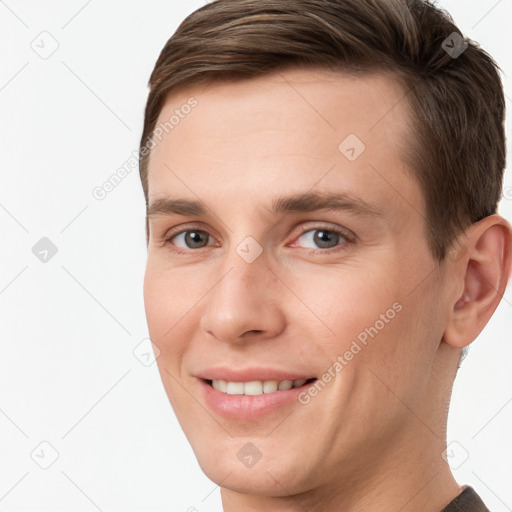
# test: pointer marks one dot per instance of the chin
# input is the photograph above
(276, 475)
(261, 481)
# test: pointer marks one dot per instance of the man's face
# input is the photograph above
(240, 293)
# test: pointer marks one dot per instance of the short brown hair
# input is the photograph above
(456, 101)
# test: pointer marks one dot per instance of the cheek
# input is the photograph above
(166, 304)
(373, 324)
(353, 304)
(168, 297)
(400, 348)
(157, 300)
(169, 292)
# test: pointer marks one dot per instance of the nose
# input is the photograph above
(245, 302)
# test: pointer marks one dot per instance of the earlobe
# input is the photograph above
(486, 270)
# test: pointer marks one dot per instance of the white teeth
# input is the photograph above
(220, 385)
(285, 384)
(235, 388)
(269, 386)
(255, 387)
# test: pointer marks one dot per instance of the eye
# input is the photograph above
(324, 238)
(189, 239)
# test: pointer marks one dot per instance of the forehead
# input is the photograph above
(290, 130)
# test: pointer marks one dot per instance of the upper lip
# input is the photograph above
(250, 374)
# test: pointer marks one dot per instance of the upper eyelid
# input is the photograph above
(337, 229)
(171, 234)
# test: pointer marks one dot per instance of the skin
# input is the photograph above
(373, 438)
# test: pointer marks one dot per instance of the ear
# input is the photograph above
(484, 268)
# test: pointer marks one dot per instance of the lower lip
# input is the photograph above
(249, 406)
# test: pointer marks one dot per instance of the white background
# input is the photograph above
(68, 373)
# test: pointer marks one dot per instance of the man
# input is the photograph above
(322, 179)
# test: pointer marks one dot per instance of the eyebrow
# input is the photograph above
(305, 202)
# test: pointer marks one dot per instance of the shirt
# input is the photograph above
(467, 501)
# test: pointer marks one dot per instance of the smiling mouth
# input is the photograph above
(257, 387)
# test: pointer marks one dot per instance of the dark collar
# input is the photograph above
(467, 501)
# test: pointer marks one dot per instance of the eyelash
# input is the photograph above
(349, 239)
